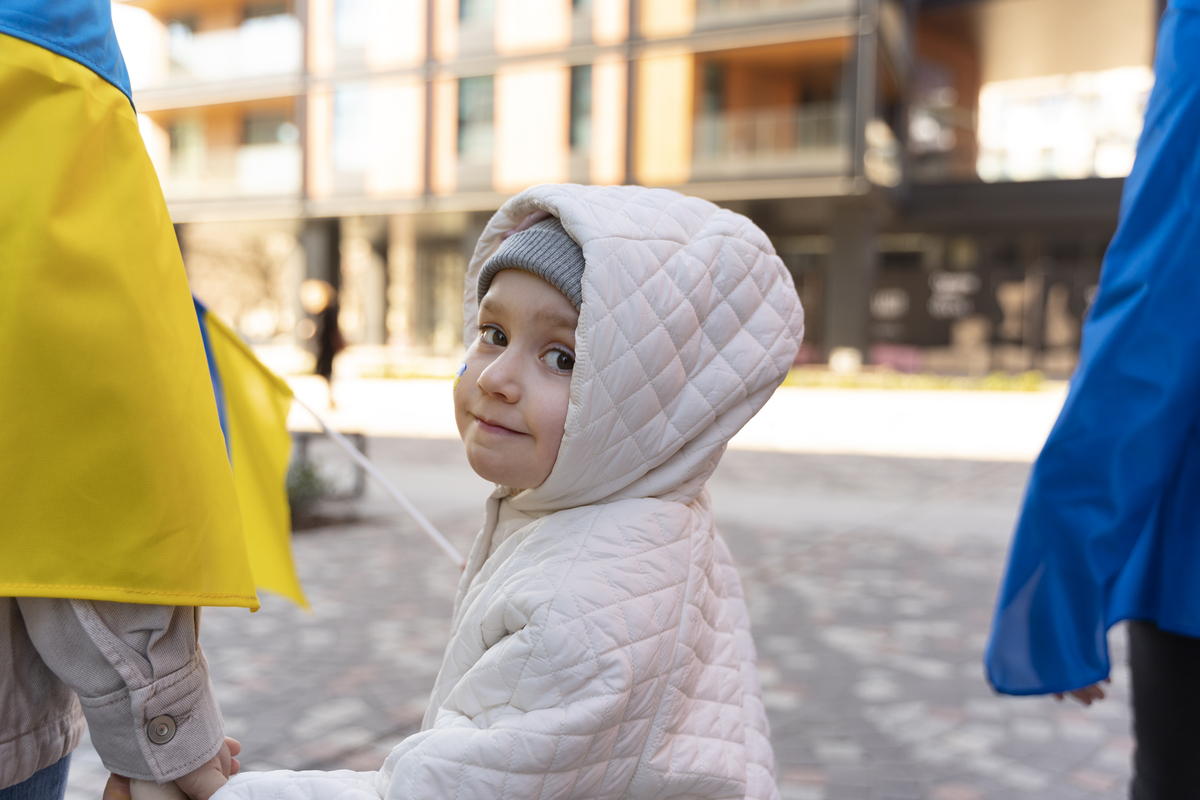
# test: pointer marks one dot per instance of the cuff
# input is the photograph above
(176, 723)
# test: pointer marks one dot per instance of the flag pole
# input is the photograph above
(387, 486)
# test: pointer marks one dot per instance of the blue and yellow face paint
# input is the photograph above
(458, 375)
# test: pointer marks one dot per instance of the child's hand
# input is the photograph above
(1088, 694)
(200, 784)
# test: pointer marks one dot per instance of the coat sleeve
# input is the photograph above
(536, 715)
(540, 715)
(1131, 408)
(131, 664)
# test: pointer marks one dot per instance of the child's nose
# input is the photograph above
(502, 378)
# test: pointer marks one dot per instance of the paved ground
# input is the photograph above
(870, 581)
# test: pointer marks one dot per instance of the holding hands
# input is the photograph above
(199, 784)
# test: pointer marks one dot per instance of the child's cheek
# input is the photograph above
(458, 399)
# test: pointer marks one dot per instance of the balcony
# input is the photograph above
(259, 47)
(722, 13)
(772, 143)
(254, 170)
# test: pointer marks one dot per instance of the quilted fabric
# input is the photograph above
(601, 645)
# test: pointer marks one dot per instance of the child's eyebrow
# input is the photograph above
(543, 316)
(556, 320)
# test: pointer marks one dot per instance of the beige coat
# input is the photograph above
(600, 646)
(119, 666)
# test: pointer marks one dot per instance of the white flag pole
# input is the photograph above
(387, 486)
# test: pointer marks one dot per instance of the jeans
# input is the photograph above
(1165, 670)
(45, 784)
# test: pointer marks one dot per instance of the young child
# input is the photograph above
(600, 643)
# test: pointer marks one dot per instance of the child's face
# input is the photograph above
(511, 401)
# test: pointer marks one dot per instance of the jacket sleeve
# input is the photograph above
(131, 665)
(1131, 408)
(537, 717)
(540, 715)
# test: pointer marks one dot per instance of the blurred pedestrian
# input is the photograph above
(1110, 528)
(319, 299)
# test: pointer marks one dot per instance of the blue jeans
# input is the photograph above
(45, 784)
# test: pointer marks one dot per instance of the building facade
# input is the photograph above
(941, 177)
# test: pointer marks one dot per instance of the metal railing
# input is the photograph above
(261, 46)
(707, 9)
(772, 135)
(246, 171)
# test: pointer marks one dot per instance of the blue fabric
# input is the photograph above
(214, 375)
(81, 30)
(45, 784)
(1110, 526)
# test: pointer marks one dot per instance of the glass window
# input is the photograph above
(266, 128)
(476, 11)
(186, 135)
(351, 22)
(476, 117)
(265, 9)
(713, 100)
(351, 128)
(182, 26)
(581, 106)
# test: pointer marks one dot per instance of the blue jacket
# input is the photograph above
(1110, 528)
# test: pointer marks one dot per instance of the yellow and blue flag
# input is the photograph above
(115, 478)
(252, 406)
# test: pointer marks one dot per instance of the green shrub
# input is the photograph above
(305, 486)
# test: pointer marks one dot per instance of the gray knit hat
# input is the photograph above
(544, 249)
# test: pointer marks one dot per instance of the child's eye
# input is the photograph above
(493, 336)
(559, 360)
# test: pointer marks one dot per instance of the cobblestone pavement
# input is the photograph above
(870, 581)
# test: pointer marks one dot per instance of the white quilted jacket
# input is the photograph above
(603, 650)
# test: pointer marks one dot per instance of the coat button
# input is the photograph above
(161, 729)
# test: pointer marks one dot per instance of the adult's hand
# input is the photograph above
(1087, 695)
(199, 784)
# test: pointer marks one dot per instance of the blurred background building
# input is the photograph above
(941, 176)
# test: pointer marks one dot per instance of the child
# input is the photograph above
(600, 642)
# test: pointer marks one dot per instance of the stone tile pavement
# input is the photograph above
(870, 581)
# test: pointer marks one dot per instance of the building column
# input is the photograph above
(849, 279)
(322, 249)
(401, 280)
(295, 271)
(375, 296)
(364, 280)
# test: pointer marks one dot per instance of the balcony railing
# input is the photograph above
(254, 170)
(258, 47)
(807, 140)
(723, 9)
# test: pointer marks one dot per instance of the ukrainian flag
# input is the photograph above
(252, 406)
(115, 479)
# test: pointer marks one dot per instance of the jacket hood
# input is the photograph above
(689, 323)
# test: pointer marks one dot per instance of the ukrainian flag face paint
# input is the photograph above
(458, 376)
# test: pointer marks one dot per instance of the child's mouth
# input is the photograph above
(491, 427)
